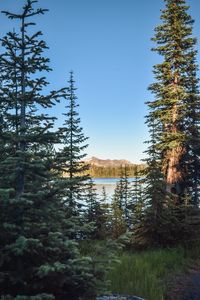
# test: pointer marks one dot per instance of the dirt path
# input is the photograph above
(186, 287)
(192, 291)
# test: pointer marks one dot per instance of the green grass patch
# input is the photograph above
(145, 274)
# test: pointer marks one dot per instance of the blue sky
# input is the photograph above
(107, 44)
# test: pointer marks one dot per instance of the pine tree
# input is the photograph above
(118, 224)
(122, 195)
(121, 218)
(37, 258)
(176, 103)
(137, 202)
(104, 196)
(153, 177)
(93, 213)
(70, 158)
(97, 213)
(105, 215)
(105, 219)
(146, 231)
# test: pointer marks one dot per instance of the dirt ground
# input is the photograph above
(186, 286)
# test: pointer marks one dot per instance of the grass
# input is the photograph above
(145, 274)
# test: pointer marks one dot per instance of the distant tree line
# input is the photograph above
(114, 172)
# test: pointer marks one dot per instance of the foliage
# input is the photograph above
(174, 226)
(138, 197)
(104, 256)
(121, 206)
(95, 213)
(106, 215)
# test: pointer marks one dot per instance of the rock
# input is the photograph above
(118, 297)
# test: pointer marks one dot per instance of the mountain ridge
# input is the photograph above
(108, 162)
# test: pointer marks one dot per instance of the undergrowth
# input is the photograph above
(146, 274)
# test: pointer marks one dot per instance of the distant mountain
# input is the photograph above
(108, 162)
(111, 168)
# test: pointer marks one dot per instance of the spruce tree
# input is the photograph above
(176, 104)
(122, 195)
(70, 157)
(37, 258)
(104, 196)
(137, 202)
(118, 224)
(121, 215)
(155, 186)
(146, 229)
(93, 213)
(96, 213)
(105, 218)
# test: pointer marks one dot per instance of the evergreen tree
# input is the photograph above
(37, 258)
(137, 202)
(154, 193)
(122, 195)
(104, 196)
(70, 158)
(97, 212)
(105, 217)
(118, 224)
(176, 104)
(121, 214)
(93, 213)
(146, 231)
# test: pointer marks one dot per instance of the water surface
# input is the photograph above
(108, 183)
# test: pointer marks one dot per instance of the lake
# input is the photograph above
(108, 183)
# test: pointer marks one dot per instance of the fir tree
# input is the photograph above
(105, 214)
(154, 180)
(176, 103)
(122, 195)
(118, 224)
(37, 258)
(121, 218)
(93, 213)
(70, 158)
(146, 230)
(104, 196)
(137, 202)
(104, 202)
(97, 212)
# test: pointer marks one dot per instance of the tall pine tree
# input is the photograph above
(70, 157)
(176, 104)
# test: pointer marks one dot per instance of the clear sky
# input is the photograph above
(107, 44)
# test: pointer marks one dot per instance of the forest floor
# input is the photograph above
(186, 286)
